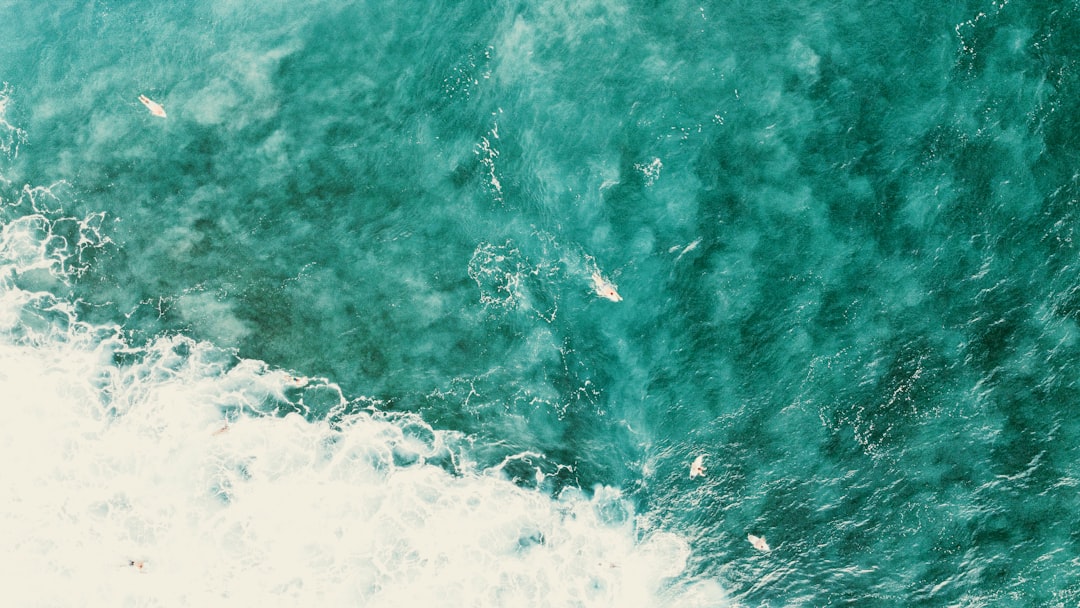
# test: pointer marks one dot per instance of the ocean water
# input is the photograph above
(331, 332)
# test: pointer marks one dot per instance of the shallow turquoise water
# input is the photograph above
(842, 232)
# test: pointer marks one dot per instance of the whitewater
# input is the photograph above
(599, 303)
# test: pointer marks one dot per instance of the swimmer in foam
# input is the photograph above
(154, 107)
(605, 288)
(697, 468)
(137, 565)
(758, 542)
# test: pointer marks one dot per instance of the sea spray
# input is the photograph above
(163, 481)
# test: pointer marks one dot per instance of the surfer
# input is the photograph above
(605, 288)
(758, 542)
(698, 467)
(154, 107)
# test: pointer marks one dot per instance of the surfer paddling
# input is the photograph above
(758, 542)
(697, 468)
(154, 107)
(605, 288)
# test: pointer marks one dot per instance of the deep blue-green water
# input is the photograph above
(332, 331)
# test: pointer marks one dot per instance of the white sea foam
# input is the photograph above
(110, 464)
(176, 474)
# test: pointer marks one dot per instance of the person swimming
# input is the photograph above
(697, 467)
(758, 542)
(137, 564)
(605, 288)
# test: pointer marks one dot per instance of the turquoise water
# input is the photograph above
(364, 240)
